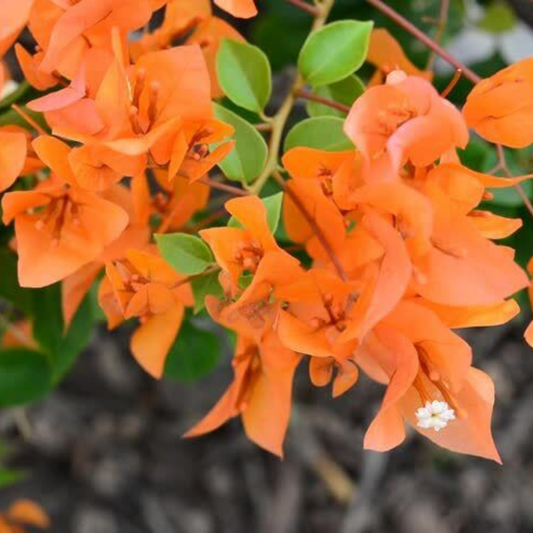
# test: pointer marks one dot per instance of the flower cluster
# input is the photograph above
(402, 254)
(400, 246)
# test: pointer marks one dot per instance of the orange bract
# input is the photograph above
(142, 285)
(500, 108)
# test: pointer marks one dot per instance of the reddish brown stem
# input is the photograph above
(519, 189)
(188, 279)
(263, 127)
(28, 119)
(306, 95)
(421, 36)
(304, 6)
(453, 82)
(317, 231)
(223, 187)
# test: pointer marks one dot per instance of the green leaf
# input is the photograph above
(25, 376)
(204, 286)
(48, 318)
(334, 52)
(499, 18)
(273, 207)
(10, 477)
(194, 353)
(345, 92)
(73, 343)
(247, 160)
(10, 290)
(324, 133)
(244, 74)
(187, 254)
(62, 347)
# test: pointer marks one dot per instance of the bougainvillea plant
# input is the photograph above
(149, 175)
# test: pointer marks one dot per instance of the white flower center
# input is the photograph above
(434, 415)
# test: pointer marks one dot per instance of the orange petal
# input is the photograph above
(151, 342)
(13, 149)
(471, 432)
(238, 8)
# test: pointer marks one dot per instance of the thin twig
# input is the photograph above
(519, 189)
(306, 95)
(441, 27)
(279, 120)
(264, 126)
(304, 6)
(453, 82)
(223, 187)
(316, 230)
(28, 119)
(188, 279)
(421, 36)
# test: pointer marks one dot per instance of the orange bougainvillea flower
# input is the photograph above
(240, 249)
(315, 317)
(238, 8)
(260, 392)
(144, 286)
(136, 236)
(58, 226)
(22, 514)
(404, 120)
(500, 108)
(386, 54)
(431, 385)
(191, 156)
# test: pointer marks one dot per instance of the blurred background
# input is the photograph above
(104, 453)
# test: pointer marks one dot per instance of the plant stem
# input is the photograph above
(316, 230)
(279, 120)
(28, 119)
(304, 6)
(306, 95)
(188, 279)
(441, 27)
(421, 36)
(223, 187)
(519, 189)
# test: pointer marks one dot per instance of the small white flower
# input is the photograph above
(434, 415)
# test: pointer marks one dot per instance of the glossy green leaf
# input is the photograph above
(344, 92)
(25, 376)
(204, 286)
(187, 254)
(194, 354)
(273, 208)
(323, 133)
(247, 160)
(334, 52)
(244, 74)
